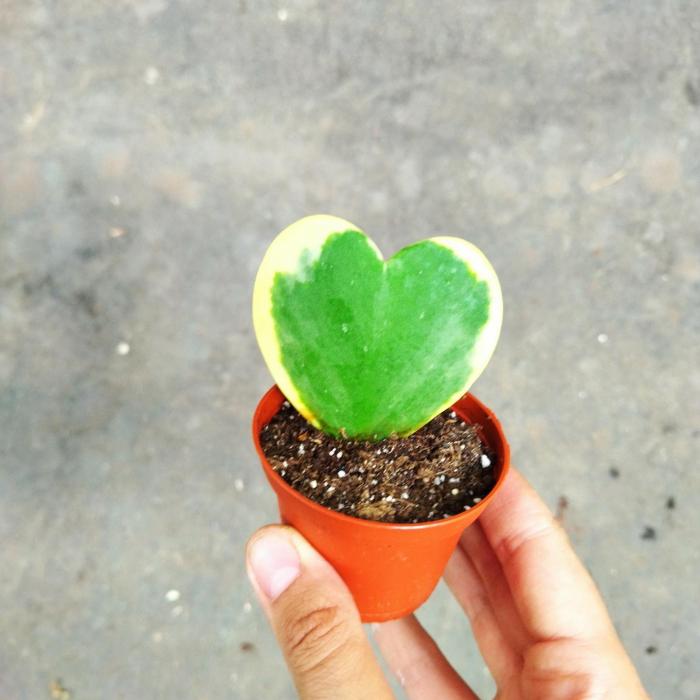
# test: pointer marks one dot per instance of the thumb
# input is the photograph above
(314, 618)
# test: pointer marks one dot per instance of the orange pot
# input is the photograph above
(391, 569)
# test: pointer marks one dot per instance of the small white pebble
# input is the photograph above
(485, 461)
(283, 16)
(341, 473)
(313, 483)
(151, 75)
(467, 507)
(340, 454)
(437, 481)
(463, 447)
(172, 595)
(404, 494)
(374, 482)
(341, 506)
(331, 452)
(330, 489)
(454, 480)
(477, 499)
(454, 492)
(389, 499)
(123, 348)
(283, 472)
(301, 449)
(602, 338)
(286, 404)
(238, 484)
(453, 414)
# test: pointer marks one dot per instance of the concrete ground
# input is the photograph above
(150, 150)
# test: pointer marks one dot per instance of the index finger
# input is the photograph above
(553, 592)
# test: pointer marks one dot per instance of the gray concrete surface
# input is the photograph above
(149, 151)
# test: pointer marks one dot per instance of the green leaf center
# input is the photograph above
(373, 347)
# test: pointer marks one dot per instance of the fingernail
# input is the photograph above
(274, 562)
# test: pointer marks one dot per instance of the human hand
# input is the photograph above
(535, 612)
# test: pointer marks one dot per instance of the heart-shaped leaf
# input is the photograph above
(366, 347)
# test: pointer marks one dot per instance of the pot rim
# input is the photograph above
(504, 455)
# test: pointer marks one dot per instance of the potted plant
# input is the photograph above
(377, 453)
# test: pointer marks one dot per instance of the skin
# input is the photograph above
(537, 616)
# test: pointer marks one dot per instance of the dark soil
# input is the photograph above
(441, 470)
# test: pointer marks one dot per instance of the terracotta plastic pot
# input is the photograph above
(391, 569)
